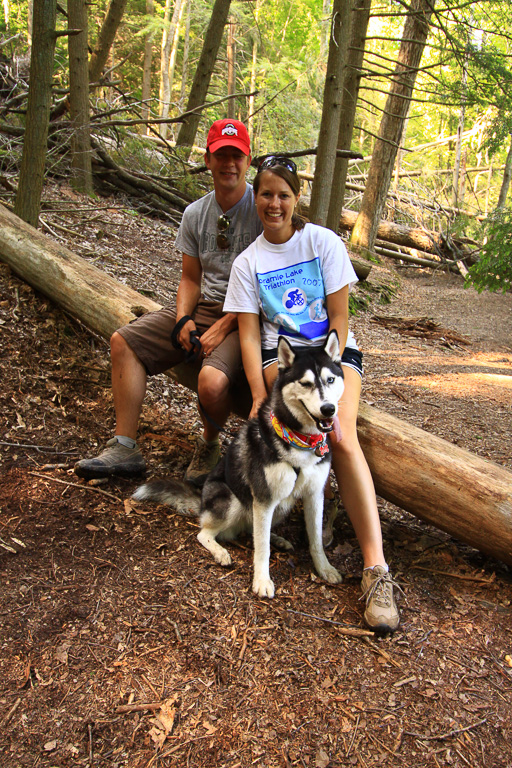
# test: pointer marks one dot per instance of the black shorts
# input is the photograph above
(352, 358)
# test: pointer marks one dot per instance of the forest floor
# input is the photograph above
(123, 644)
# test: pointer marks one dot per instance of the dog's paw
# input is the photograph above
(331, 575)
(222, 557)
(264, 587)
(279, 543)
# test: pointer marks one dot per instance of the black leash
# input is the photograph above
(192, 355)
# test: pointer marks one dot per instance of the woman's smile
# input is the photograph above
(275, 204)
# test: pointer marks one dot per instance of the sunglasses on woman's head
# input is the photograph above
(223, 240)
(272, 160)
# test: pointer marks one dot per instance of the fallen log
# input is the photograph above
(464, 495)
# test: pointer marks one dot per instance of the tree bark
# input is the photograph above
(390, 132)
(505, 184)
(146, 67)
(79, 98)
(231, 57)
(30, 186)
(360, 15)
(464, 495)
(169, 44)
(105, 39)
(202, 77)
(331, 113)
(184, 64)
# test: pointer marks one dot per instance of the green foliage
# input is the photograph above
(494, 269)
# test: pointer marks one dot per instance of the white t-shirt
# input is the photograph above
(288, 284)
(197, 237)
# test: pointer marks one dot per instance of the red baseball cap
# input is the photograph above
(228, 133)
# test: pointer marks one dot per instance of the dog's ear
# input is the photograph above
(332, 346)
(285, 354)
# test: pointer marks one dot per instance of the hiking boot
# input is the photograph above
(206, 457)
(330, 514)
(381, 614)
(115, 459)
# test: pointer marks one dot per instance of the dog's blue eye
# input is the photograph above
(330, 380)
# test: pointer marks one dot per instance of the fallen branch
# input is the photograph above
(77, 485)
(342, 628)
(448, 735)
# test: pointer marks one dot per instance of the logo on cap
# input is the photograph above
(229, 130)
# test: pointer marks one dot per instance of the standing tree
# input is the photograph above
(79, 97)
(28, 197)
(105, 39)
(331, 113)
(202, 77)
(231, 57)
(360, 15)
(170, 37)
(396, 110)
(146, 67)
(505, 184)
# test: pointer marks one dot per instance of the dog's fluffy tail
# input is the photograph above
(181, 496)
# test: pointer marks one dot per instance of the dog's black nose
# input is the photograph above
(327, 409)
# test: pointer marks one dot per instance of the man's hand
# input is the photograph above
(184, 335)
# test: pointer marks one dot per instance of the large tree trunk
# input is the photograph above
(186, 49)
(202, 77)
(146, 66)
(169, 45)
(79, 109)
(231, 57)
(79, 98)
(331, 113)
(446, 486)
(505, 184)
(360, 15)
(28, 196)
(105, 39)
(390, 132)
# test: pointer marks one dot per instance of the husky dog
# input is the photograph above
(276, 458)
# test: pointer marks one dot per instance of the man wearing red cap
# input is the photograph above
(213, 231)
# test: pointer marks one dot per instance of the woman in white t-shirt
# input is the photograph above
(296, 278)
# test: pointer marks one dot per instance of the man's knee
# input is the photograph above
(212, 383)
(120, 350)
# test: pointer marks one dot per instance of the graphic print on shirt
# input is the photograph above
(293, 298)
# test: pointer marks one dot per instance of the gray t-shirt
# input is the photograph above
(197, 237)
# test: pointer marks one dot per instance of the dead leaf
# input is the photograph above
(61, 653)
(322, 759)
(210, 729)
(344, 549)
(91, 527)
(50, 745)
(158, 736)
(167, 715)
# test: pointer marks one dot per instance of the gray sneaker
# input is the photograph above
(205, 458)
(381, 614)
(115, 459)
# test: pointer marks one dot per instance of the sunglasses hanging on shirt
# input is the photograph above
(223, 241)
